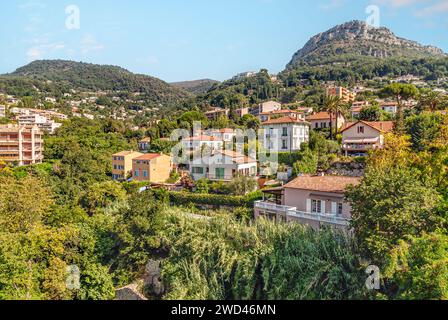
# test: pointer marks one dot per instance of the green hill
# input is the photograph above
(67, 75)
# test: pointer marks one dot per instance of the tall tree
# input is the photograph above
(400, 92)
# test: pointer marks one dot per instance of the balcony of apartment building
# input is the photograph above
(280, 213)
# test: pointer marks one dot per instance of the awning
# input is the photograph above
(371, 140)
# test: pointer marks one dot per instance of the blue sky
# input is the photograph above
(191, 39)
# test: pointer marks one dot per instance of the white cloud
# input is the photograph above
(39, 51)
(437, 8)
(332, 4)
(399, 3)
(90, 44)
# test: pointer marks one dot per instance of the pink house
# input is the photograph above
(312, 200)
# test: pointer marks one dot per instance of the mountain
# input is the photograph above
(356, 39)
(196, 86)
(66, 75)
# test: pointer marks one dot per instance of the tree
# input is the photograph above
(333, 106)
(430, 100)
(242, 185)
(418, 268)
(424, 129)
(401, 92)
(370, 113)
(389, 204)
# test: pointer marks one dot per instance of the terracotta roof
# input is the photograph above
(381, 126)
(333, 184)
(149, 156)
(282, 120)
(201, 138)
(320, 116)
(147, 139)
(237, 157)
(125, 153)
(278, 112)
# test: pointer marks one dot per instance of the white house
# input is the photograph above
(223, 166)
(285, 134)
(362, 136)
(196, 143)
(2, 111)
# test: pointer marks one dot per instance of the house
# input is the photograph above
(2, 111)
(122, 164)
(265, 116)
(389, 107)
(285, 134)
(223, 165)
(21, 145)
(197, 143)
(241, 112)
(216, 113)
(315, 201)
(152, 167)
(225, 135)
(362, 136)
(343, 93)
(321, 120)
(356, 111)
(144, 144)
(264, 107)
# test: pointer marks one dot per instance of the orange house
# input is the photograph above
(152, 167)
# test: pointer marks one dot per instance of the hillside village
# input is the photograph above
(319, 172)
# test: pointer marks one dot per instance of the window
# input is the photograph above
(136, 173)
(285, 132)
(197, 170)
(220, 173)
(361, 129)
(284, 144)
(340, 207)
(145, 173)
(316, 206)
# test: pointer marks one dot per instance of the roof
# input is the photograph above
(124, 153)
(149, 156)
(284, 111)
(319, 116)
(147, 139)
(237, 157)
(283, 120)
(381, 126)
(332, 184)
(201, 138)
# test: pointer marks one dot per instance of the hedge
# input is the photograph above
(184, 198)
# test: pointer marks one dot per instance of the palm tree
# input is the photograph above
(332, 105)
(431, 100)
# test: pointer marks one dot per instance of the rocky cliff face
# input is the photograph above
(358, 38)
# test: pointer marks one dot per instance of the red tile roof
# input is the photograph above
(148, 156)
(282, 120)
(320, 116)
(381, 126)
(332, 184)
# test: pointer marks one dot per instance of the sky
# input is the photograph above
(178, 40)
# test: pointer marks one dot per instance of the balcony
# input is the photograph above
(286, 213)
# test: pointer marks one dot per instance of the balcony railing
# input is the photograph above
(292, 212)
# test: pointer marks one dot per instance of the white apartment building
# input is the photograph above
(285, 134)
(42, 122)
(21, 145)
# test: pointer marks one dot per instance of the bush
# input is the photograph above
(186, 199)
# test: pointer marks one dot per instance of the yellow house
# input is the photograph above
(152, 167)
(122, 164)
